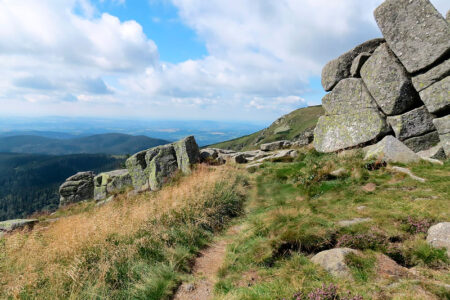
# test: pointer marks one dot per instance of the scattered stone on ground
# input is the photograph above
(369, 187)
(333, 261)
(361, 207)
(11, 225)
(408, 172)
(388, 268)
(339, 172)
(438, 236)
(76, 188)
(275, 145)
(436, 152)
(346, 223)
(389, 150)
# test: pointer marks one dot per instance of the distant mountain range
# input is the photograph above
(109, 143)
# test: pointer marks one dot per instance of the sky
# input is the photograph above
(229, 60)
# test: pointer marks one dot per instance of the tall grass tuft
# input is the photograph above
(136, 247)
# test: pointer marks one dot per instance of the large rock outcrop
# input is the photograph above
(398, 85)
(151, 168)
(79, 187)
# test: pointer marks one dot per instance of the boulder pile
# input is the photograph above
(396, 86)
(146, 170)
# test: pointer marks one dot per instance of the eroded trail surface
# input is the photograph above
(205, 271)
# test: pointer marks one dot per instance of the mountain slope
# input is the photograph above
(30, 182)
(287, 127)
(110, 143)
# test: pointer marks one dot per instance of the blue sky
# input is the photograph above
(228, 60)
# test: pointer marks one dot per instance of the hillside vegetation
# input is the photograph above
(137, 247)
(30, 182)
(110, 143)
(293, 213)
(288, 127)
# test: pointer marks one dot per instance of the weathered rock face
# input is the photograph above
(151, 168)
(338, 69)
(424, 80)
(423, 142)
(437, 96)
(338, 132)
(187, 153)
(390, 149)
(349, 95)
(111, 182)
(413, 123)
(76, 188)
(161, 164)
(404, 79)
(415, 31)
(439, 236)
(443, 127)
(387, 81)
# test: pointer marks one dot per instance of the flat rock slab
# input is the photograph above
(339, 132)
(333, 261)
(388, 82)
(390, 149)
(424, 80)
(437, 96)
(415, 31)
(348, 96)
(438, 236)
(275, 145)
(412, 123)
(339, 68)
(408, 172)
(10, 225)
(423, 142)
(346, 223)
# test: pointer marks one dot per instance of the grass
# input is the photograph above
(287, 127)
(293, 213)
(136, 247)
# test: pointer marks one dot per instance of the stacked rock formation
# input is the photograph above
(146, 170)
(397, 86)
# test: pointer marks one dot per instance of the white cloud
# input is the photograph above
(64, 57)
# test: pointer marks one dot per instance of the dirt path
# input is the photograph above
(205, 271)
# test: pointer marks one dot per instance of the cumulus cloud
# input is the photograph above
(65, 56)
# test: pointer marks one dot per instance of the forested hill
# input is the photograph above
(110, 143)
(29, 182)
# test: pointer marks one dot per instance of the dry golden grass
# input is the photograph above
(52, 250)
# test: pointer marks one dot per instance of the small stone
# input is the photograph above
(438, 236)
(275, 145)
(390, 149)
(362, 207)
(369, 187)
(409, 173)
(333, 261)
(339, 172)
(346, 223)
(189, 287)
